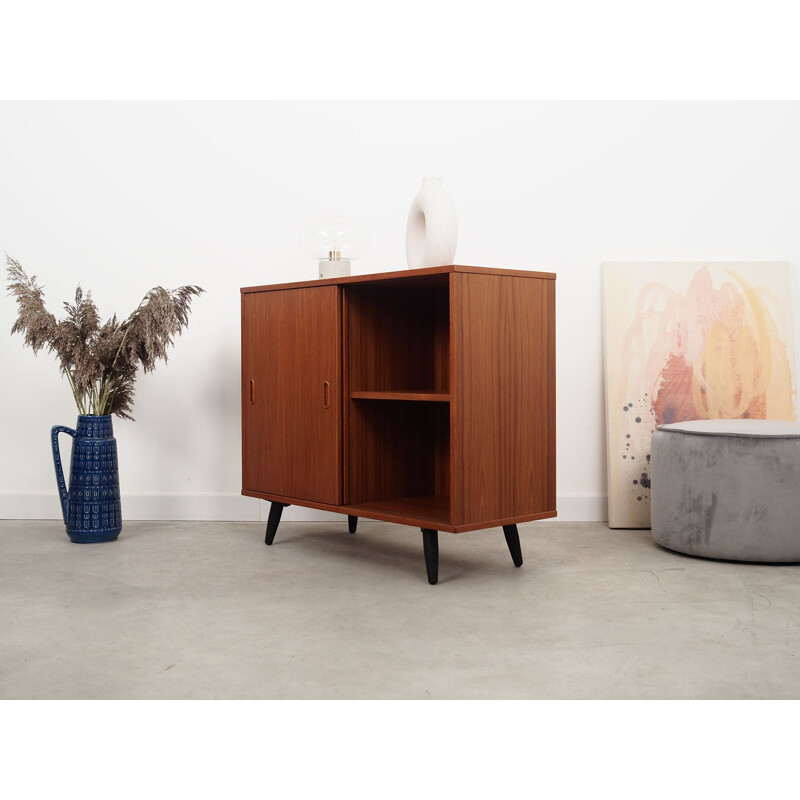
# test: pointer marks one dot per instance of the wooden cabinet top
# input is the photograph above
(402, 275)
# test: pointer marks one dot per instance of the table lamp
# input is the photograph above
(334, 241)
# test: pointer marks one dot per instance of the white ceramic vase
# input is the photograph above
(432, 228)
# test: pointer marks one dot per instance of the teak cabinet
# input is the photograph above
(423, 397)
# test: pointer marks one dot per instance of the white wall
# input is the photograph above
(124, 196)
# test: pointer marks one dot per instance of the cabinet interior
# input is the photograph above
(398, 336)
(398, 345)
(400, 455)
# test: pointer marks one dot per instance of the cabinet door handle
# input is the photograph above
(326, 394)
(252, 392)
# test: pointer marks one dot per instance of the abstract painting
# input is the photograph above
(689, 341)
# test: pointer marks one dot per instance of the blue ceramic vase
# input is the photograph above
(91, 507)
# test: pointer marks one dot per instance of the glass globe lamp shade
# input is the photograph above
(334, 241)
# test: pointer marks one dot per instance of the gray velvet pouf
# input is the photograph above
(727, 488)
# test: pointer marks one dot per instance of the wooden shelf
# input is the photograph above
(435, 397)
(430, 508)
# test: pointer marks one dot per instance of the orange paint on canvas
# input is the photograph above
(715, 352)
(689, 341)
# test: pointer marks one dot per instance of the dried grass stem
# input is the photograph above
(100, 360)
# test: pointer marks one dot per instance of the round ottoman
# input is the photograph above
(727, 488)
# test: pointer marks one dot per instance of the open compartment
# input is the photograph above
(399, 458)
(398, 338)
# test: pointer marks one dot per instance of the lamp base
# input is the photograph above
(334, 269)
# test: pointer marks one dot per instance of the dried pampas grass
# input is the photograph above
(100, 360)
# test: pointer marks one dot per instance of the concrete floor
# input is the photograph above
(206, 610)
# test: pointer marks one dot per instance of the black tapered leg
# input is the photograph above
(512, 540)
(430, 544)
(352, 523)
(275, 511)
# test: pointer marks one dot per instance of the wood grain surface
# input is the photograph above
(503, 459)
(398, 449)
(291, 352)
(435, 397)
(398, 336)
(440, 387)
(405, 276)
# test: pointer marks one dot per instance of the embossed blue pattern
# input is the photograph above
(91, 507)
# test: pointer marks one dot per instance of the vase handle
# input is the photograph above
(62, 486)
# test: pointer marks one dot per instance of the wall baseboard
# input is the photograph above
(582, 507)
(224, 507)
